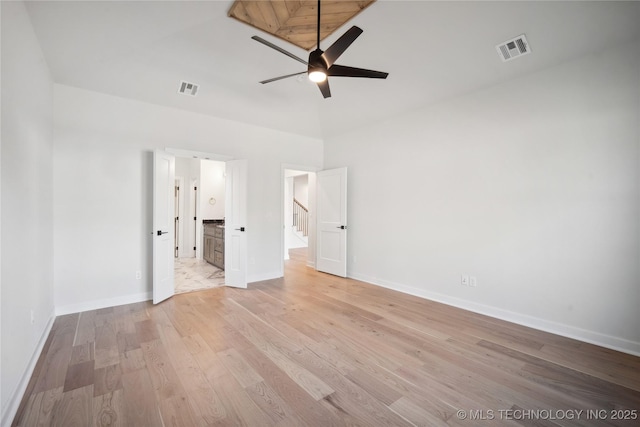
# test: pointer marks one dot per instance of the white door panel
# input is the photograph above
(235, 262)
(332, 221)
(163, 225)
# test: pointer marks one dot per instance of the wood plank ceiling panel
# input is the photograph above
(295, 20)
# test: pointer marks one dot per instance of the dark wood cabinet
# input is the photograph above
(214, 244)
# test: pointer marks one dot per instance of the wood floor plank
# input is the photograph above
(574, 381)
(86, 329)
(127, 341)
(309, 382)
(79, 375)
(348, 397)
(35, 376)
(53, 372)
(65, 323)
(106, 344)
(75, 408)
(312, 349)
(107, 380)
(592, 362)
(268, 400)
(239, 368)
(377, 389)
(196, 344)
(415, 414)
(240, 408)
(132, 360)
(146, 331)
(176, 411)
(207, 407)
(139, 409)
(40, 408)
(301, 402)
(210, 365)
(82, 353)
(165, 380)
(123, 322)
(108, 409)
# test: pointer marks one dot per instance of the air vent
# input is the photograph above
(187, 88)
(514, 48)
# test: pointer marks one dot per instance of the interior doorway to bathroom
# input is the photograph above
(200, 202)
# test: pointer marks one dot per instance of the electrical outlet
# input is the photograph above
(354, 259)
(473, 281)
(138, 275)
(33, 317)
(465, 280)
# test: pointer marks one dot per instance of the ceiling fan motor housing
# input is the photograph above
(317, 62)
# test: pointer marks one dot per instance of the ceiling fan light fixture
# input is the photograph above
(317, 76)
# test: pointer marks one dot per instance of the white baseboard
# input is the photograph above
(592, 337)
(103, 303)
(11, 408)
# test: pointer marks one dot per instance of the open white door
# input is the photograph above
(332, 221)
(164, 169)
(235, 238)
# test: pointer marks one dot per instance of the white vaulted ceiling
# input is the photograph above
(432, 51)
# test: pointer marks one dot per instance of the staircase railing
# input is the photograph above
(300, 217)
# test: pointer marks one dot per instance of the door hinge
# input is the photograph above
(194, 248)
(195, 219)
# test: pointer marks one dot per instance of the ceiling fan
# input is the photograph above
(321, 64)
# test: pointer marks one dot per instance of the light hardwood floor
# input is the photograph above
(318, 350)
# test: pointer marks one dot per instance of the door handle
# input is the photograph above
(240, 229)
(160, 233)
(342, 227)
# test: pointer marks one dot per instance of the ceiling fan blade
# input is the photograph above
(324, 88)
(279, 49)
(336, 49)
(282, 77)
(342, 71)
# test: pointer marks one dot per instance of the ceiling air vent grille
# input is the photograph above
(187, 88)
(513, 48)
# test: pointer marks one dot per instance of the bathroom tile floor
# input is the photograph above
(193, 274)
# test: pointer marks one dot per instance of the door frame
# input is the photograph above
(312, 170)
(195, 228)
(202, 156)
(180, 208)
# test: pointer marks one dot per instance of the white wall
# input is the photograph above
(189, 170)
(26, 193)
(212, 184)
(532, 186)
(102, 198)
(301, 189)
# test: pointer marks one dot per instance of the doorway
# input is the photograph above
(235, 217)
(326, 248)
(200, 204)
(298, 214)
